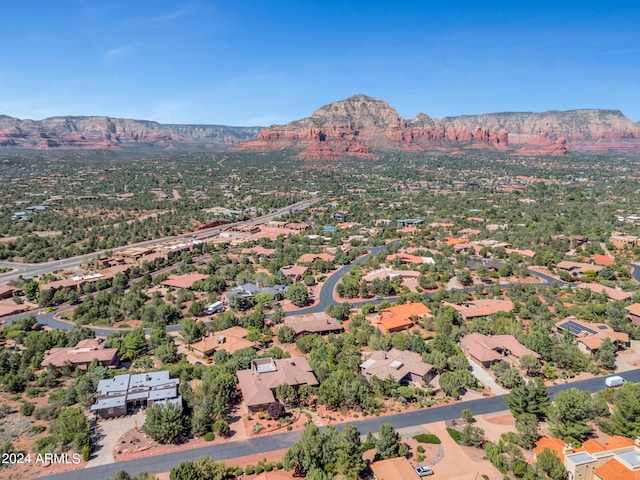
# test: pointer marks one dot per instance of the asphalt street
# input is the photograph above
(165, 462)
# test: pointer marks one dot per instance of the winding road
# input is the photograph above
(225, 451)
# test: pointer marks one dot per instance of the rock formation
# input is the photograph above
(361, 125)
(115, 134)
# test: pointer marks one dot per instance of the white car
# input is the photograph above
(424, 471)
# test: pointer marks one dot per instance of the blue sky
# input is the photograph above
(241, 62)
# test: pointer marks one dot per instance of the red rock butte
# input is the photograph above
(360, 126)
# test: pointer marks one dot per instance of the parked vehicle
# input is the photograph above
(615, 381)
(215, 308)
(424, 471)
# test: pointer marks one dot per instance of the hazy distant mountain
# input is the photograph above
(115, 134)
(361, 125)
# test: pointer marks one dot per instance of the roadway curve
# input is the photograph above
(260, 445)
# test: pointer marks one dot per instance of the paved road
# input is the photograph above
(164, 463)
(28, 270)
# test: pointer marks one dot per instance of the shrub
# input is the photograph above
(427, 438)
(420, 458)
(27, 409)
(209, 436)
(258, 427)
(420, 449)
(259, 469)
(85, 452)
(35, 429)
(249, 470)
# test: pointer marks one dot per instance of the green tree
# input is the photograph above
(467, 416)
(530, 397)
(133, 344)
(549, 463)
(527, 428)
(531, 364)
(388, 444)
(349, 460)
(625, 420)
(286, 334)
(204, 468)
(606, 354)
(167, 352)
(31, 289)
(568, 415)
(450, 383)
(72, 428)
(472, 436)
(298, 294)
(165, 423)
(190, 330)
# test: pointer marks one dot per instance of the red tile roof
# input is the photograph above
(554, 444)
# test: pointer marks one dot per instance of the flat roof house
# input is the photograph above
(258, 383)
(116, 394)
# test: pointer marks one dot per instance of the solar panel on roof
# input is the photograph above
(576, 328)
(603, 327)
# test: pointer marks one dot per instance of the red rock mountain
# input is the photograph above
(360, 126)
(115, 134)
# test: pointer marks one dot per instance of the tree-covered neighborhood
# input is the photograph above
(358, 312)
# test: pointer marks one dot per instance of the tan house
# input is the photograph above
(618, 459)
(259, 382)
(9, 307)
(394, 469)
(612, 293)
(578, 268)
(320, 323)
(589, 336)
(482, 308)
(488, 349)
(230, 340)
(402, 366)
(633, 313)
(82, 355)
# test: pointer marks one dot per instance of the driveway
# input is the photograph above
(456, 461)
(628, 359)
(109, 432)
(486, 379)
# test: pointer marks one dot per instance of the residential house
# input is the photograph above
(9, 307)
(115, 395)
(82, 355)
(488, 264)
(7, 291)
(230, 340)
(398, 318)
(404, 367)
(248, 290)
(578, 268)
(589, 336)
(482, 308)
(612, 293)
(488, 349)
(624, 240)
(320, 323)
(312, 257)
(633, 313)
(407, 258)
(409, 222)
(259, 382)
(617, 459)
(394, 469)
(294, 272)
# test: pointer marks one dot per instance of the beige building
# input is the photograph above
(403, 366)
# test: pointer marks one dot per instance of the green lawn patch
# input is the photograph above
(455, 434)
(428, 438)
